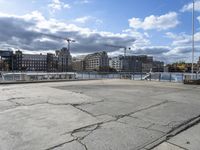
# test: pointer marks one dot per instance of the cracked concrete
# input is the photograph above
(93, 115)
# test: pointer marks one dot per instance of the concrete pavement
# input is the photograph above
(186, 140)
(94, 115)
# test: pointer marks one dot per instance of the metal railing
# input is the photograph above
(159, 76)
(38, 76)
(35, 76)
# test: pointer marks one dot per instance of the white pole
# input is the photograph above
(193, 37)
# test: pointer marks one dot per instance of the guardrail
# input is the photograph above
(159, 76)
(35, 76)
(39, 76)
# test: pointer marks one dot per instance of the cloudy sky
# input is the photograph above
(161, 28)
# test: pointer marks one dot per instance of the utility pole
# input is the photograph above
(193, 26)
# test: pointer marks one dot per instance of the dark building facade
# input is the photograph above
(198, 64)
(18, 61)
(97, 62)
(6, 60)
(52, 63)
(141, 63)
(78, 63)
(64, 60)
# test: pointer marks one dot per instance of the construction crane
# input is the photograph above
(69, 41)
(118, 46)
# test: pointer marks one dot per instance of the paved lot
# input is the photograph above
(93, 115)
(187, 140)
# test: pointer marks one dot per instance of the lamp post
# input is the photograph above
(193, 26)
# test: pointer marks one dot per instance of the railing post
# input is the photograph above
(150, 76)
(182, 77)
(196, 76)
(12, 76)
(170, 77)
(159, 76)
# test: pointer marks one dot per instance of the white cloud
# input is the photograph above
(198, 18)
(83, 19)
(189, 7)
(34, 32)
(181, 47)
(163, 22)
(88, 19)
(151, 50)
(183, 39)
(85, 1)
(56, 5)
(66, 6)
(82, 1)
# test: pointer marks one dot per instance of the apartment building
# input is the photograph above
(29, 62)
(58, 62)
(6, 62)
(141, 63)
(97, 62)
(198, 64)
(64, 59)
(78, 63)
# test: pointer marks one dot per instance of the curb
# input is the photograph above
(186, 125)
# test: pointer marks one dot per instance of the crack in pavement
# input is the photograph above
(96, 127)
(84, 111)
(177, 145)
(146, 108)
(59, 145)
(91, 128)
(173, 132)
(21, 104)
(84, 145)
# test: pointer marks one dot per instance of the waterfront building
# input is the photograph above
(141, 63)
(182, 67)
(29, 62)
(64, 60)
(97, 62)
(78, 63)
(198, 65)
(58, 62)
(158, 66)
(52, 63)
(6, 60)
(117, 63)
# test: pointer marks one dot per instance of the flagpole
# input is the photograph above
(193, 36)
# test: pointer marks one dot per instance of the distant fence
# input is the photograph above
(35, 76)
(38, 76)
(160, 76)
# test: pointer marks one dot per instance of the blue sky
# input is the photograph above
(161, 28)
